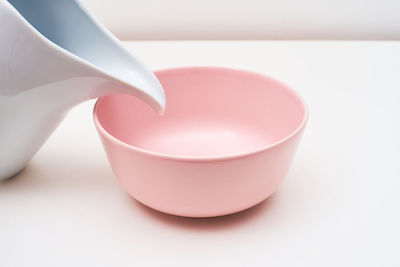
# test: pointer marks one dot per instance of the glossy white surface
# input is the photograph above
(52, 58)
(339, 205)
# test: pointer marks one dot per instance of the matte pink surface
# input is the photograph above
(224, 144)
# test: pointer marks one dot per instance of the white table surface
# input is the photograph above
(339, 206)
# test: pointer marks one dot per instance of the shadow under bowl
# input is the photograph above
(224, 144)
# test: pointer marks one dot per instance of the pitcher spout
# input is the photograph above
(147, 87)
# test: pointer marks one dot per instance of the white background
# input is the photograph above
(339, 205)
(250, 19)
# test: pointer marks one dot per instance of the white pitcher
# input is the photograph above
(54, 55)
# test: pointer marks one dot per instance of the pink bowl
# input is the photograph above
(224, 144)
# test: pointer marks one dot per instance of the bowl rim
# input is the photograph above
(147, 152)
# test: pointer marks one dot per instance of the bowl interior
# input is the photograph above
(211, 112)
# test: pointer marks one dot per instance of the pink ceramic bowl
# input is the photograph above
(224, 144)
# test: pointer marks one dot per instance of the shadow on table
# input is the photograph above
(209, 224)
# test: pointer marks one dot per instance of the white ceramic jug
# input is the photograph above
(54, 55)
